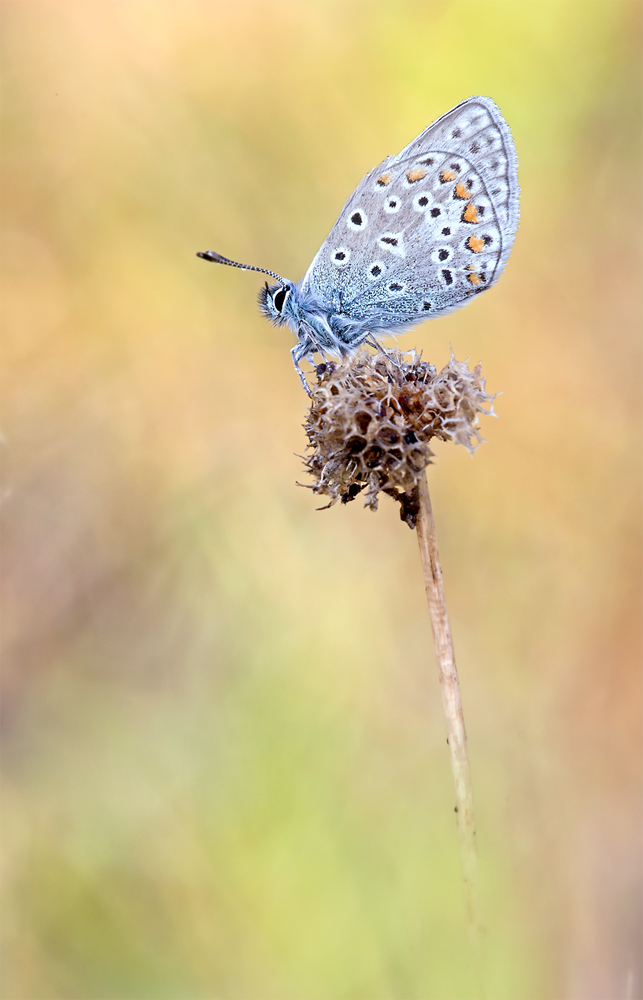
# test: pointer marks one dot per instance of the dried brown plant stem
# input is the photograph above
(452, 705)
(371, 421)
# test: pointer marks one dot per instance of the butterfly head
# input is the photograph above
(275, 302)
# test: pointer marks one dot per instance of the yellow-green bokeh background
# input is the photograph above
(225, 766)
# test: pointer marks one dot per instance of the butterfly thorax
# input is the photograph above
(314, 323)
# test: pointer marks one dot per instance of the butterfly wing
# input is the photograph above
(426, 229)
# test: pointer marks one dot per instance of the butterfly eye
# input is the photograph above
(279, 298)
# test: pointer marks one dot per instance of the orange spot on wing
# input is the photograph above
(475, 279)
(415, 175)
(447, 175)
(383, 180)
(470, 213)
(476, 244)
(461, 192)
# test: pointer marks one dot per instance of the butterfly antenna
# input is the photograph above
(216, 258)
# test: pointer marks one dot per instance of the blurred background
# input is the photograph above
(225, 764)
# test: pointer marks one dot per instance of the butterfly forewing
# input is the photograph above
(428, 228)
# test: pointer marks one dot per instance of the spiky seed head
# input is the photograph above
(372, 417)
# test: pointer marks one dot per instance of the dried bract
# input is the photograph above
(372, 417)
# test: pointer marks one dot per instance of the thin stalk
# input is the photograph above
(452, 705)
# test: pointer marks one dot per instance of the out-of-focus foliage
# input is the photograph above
(225, 769)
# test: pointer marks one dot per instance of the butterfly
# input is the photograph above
(422, 233)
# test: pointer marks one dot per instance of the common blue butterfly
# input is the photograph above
(421, 234)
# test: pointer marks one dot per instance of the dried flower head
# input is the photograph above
(372, 417)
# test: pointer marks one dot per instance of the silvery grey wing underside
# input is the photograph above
(426, 229)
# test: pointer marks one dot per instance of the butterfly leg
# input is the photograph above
(296, 356)
(372, 342)
(307, 346)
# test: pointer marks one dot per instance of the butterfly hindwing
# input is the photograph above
(476, 130)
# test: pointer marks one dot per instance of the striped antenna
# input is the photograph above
(216, 258)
